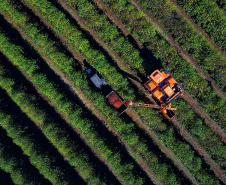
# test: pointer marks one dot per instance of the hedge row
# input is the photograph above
(75, 154)
(190, 39)
(14, 162)
(100, 141)
(221, 4)
(97, 19)
(79, 42)
(125, 14)
(209, 141)
(29, 139)
(71, 41)
(161, 49)
(67, 38)
(193, 123)
(104, 28)
(210, 17)
(126, 129)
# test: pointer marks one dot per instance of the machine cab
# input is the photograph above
(163, 87)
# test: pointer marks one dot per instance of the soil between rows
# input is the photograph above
(43, 18)
(181, 130)
(187, 97)
(101, 42)
(74, 89)
(185, 55)
(131, 113)
(74, 133)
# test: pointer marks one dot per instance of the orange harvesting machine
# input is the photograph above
(164, 89)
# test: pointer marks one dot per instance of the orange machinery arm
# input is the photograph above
(147, 105)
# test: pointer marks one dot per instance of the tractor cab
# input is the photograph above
(163, 87)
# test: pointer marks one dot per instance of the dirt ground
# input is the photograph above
(187, 97)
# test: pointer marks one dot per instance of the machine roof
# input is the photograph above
(157, 76)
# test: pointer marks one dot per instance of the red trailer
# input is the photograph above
(115, 101)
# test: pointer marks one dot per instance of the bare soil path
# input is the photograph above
(137, 84)
(194, 105)
(114, 19)
(185, 55)
(73, 90)
(91, 107)
(180, 128)
(41, 95)
(141, 162)
(121, 64)
(188, 98)
(62, 38)
(188, 18)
